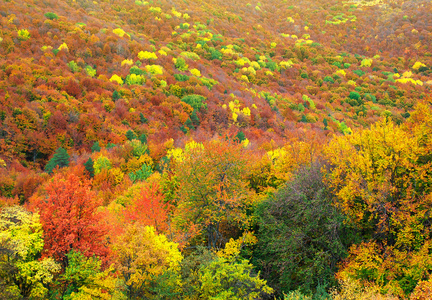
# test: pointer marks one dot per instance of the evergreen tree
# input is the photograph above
(95, 147)
(60, 159)
(89, 167)
(189, 124)
(325, 123)
(143, 138)
(240, 137)
(194, 118)
(116, 95)
(303, 119)
(130, 135)
(143, 119)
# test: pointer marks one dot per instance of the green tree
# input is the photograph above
(116, 95)
(231, 280)
(240, 136)
(194, 118)
(89, 167)
(130, 135)
(84, 278)
(196, 101)
(302, 236)
(95, 147)
(60, 159)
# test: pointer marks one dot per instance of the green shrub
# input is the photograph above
(51, 16)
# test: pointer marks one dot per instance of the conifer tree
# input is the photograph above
(60, 159)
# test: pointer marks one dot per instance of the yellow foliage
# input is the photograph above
(286, 64)
(154, 69)
(290, 20)
(116, 78)
(418, 65)
(367, 62)
(146, 55)
(120, 32)
(128, 62)
(195, 72)
(244, 78)
(407, 74)
(63, 47)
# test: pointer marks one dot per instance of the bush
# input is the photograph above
(328, 79)
(354, 96)
(51, 16)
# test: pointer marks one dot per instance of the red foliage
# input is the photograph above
(149, 209)
(69, 218)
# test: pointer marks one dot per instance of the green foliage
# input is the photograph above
(90, 71)
(101, 163)
(354, 96)
(143, 119)
(180, 64)
(73, 66)
(84, 279)
(196, 101)
(215, 54)
(89, 167)
(143, 138)
(240, 136)
(302, 236)
(194, 118)
(95, 147)
(360, 73)
(141, 174)
(60, 159)
(181, 77)
(239, 284)
(130, 135)
(189, 124)
(116, 95)
(51, 16)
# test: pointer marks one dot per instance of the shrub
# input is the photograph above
(51, 16)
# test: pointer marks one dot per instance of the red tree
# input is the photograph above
(69, 218)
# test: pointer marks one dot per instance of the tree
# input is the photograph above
(95, 147)
(381, 177)
(149, 209)
(84, 278)
(240, 136)
(130, 135)
(69, 218)
(302, 236)
(142, 256)
(60, 159)
(89, 167)
(226, 279)
(213, 188)
(22, 273)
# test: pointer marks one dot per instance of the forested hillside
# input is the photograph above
(209, 149)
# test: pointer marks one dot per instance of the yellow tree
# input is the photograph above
(142, 256)
(213, 189)
(22, 273)
(381, 178)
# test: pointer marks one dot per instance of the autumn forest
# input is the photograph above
(216, 149)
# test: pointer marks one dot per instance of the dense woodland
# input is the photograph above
(216, 149)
